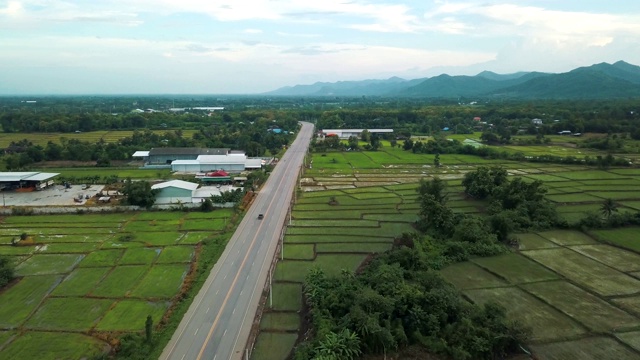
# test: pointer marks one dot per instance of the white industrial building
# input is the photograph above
(347, 133)
(184, 192)
(174, 191)
(205, 163)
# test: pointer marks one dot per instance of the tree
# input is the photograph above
(353, 142)
(436, 160)
(139, 193)
(608, 207)
(148, 328)
(435, 187)
(484, 181)
(6, 271)
(365, 135)
(206, 205)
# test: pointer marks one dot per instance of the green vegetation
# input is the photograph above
(6, 271)
(97, 285)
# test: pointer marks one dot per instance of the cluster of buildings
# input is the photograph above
(347, 133)
(198, 160)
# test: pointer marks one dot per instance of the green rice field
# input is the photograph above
(77, 284)
(355, 203)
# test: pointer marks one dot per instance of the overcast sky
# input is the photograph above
(253, 46)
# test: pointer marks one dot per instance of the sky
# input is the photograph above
(254, 46)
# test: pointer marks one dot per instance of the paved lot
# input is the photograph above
(55, 195)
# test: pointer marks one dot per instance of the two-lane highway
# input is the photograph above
(218, 323)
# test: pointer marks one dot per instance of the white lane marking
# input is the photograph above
(225, 277)
(241, 292)
(207, 311)
(182, 358)
(234, 311)
(233, 262)
(217, 291)
(196, 333)
(225, 333)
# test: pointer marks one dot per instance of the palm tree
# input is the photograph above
(608, 207)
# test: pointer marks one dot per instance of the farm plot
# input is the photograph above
(467, 275)
(53, 346)
(626, 237)
(129, 315)
(102, 272)
(546, 322)
(23, 298)
(589, 310)
(515, 268)
(592, 348)
(618, 259)
(120, 281)
(74, 314)
(81, 281)
(586, 272)
(162, 282)
(48, 264)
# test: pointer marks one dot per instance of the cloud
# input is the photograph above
(252, 31)
(13, 8)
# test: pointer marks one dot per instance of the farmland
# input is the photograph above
(79, 287)
(353, 204)
(92, 136)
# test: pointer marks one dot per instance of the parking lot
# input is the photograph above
(56, 195)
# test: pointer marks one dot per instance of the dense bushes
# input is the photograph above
(399, 300)
(6, 271)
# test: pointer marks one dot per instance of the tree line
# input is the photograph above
(255, 140)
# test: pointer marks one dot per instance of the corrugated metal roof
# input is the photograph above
(222, 159)
(42, 176)
(15, 176)
(357, 130)
(187, 151)
(140, 154)
(177, 184)
(253, 164)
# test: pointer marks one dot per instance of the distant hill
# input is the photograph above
(598, 81)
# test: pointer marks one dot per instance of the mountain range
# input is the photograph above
(599, 81)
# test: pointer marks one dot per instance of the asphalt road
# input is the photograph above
(218, 323)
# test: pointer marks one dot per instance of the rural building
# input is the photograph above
(207, 163)
(26, 181)
(174, 191)
(347, 133)
(536, 121)
(164, 156)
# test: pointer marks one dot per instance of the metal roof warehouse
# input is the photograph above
(26, 180)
